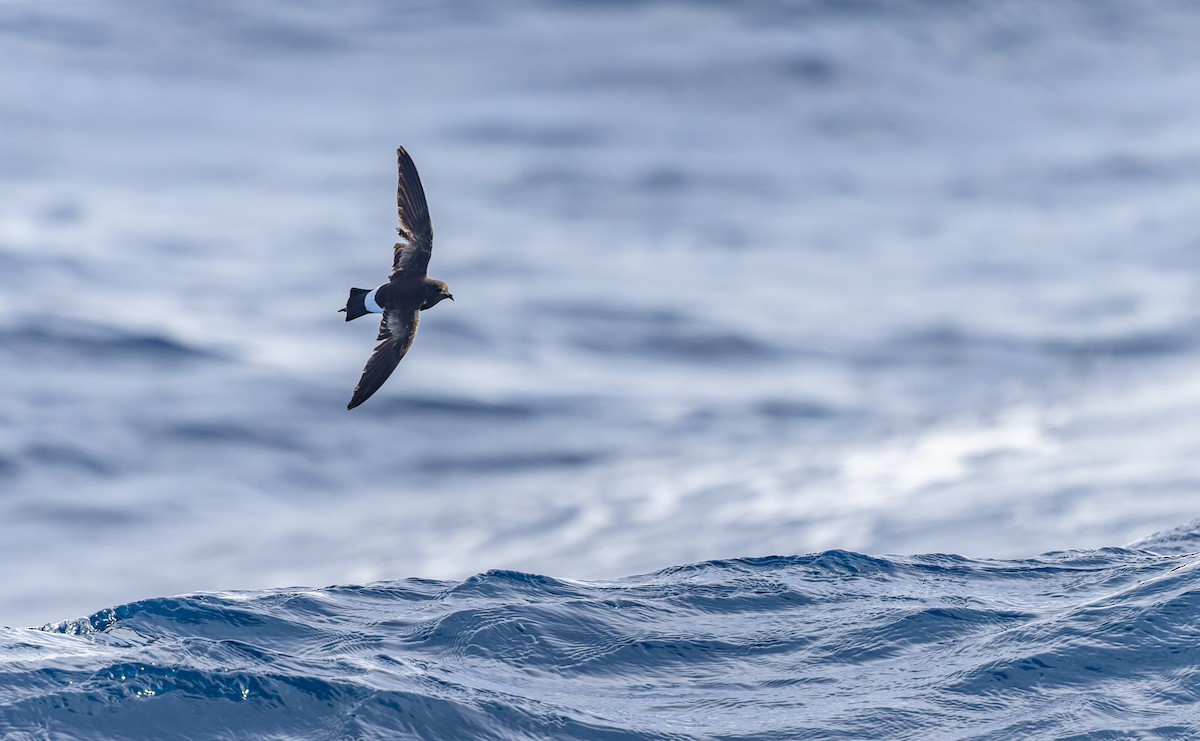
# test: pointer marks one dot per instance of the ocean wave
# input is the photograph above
(98, 342)
(830, 645)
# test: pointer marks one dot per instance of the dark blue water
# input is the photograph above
(1079, 644)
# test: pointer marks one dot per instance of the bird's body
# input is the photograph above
(408, 291)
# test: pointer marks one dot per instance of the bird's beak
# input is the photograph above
(450, 296)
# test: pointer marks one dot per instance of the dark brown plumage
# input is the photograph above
(408, 291)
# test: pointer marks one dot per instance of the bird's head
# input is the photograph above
(435, 291)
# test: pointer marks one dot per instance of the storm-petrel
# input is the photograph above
(408, 291)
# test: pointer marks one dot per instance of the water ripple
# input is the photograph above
(827, 645)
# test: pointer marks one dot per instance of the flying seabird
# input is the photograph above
(408, 292)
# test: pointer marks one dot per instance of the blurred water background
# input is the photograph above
(732, 280)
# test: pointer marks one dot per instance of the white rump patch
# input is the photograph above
(369, 303)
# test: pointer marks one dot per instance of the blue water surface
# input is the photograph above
(1080, 644)
(731, 279)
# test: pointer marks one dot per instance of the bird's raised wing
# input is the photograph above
(397, 330)
(412, 254)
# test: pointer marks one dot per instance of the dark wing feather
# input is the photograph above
(384, 332)
(397, 330)
(411, 255)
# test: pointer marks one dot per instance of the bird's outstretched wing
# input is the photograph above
(412, 254)
(397, 330)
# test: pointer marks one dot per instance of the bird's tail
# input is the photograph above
(354, 305)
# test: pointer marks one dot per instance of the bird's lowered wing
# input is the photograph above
(411, 255)
(397, 330)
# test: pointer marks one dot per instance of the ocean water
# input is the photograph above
(734, 283)
(1077, 644)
